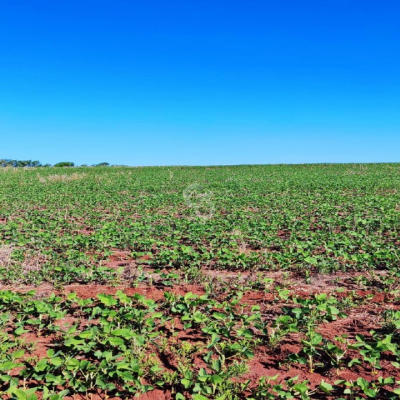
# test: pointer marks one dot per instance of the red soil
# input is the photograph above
(267, 361)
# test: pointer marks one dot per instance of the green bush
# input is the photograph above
(64, 164)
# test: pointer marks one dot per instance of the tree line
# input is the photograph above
(30, 163)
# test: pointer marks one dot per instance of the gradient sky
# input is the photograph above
(200, 82)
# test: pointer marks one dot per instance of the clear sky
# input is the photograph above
(200, 82)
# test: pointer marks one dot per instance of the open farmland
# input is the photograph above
(257, 282)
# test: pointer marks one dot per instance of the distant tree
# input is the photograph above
(29, 163)
(103, 164)
(19, 163)
(11, 163)
(65, 164)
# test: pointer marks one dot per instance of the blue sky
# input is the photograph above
(200, 82)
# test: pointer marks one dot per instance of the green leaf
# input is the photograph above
(316, 339)
(199, 397)
(125, 333)
(325, 386)
(371, 393)
(362, 383)
(216, 379)
(354, 361)
(19, 331)
(186, 383)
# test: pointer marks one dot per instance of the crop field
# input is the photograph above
(223, 283)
